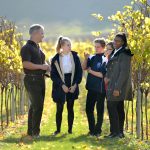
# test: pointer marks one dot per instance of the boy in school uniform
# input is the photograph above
(96, 68)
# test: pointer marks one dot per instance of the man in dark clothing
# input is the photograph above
(95, 66)
(34, 66)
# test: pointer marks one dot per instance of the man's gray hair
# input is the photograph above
(35, 27)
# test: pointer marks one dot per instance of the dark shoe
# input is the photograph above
(114, 135)
(70, 131)
(121, 135)
(90, 134)
(108, 136)
(97, 134)
(56, 132)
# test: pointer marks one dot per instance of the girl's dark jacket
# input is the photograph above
(57, 77)
(119, 73)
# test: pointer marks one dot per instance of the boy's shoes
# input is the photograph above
(97, 135)
(56, 132)
(90, 134)
(70, 131)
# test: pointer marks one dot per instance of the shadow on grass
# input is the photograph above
(52, 137)
(116, 143)
(107, 143)
(26, 141)
(11, 140)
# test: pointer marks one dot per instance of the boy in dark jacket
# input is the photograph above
(95, 66)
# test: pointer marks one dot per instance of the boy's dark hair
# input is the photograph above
(100, 41)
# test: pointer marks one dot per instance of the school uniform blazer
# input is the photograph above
(119, 73)
(57, 77)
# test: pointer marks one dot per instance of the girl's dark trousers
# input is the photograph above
(70, 105)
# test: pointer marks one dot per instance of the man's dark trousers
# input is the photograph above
(35, 86)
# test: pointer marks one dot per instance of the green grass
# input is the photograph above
(12, 136)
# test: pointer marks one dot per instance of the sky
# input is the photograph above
(61, 17)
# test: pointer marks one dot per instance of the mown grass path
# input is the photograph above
(13, 137)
